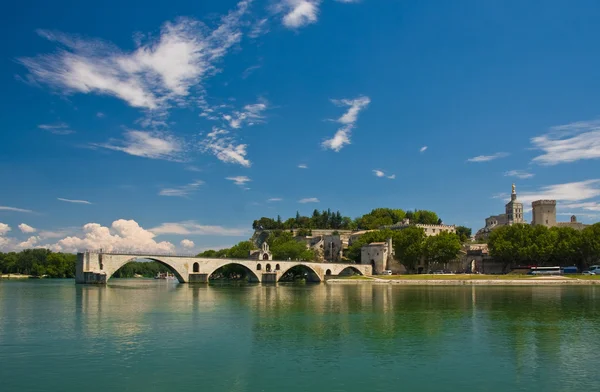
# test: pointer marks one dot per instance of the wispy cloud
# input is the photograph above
(25, 228)
(309, 200)
(57, 129)
(519, 174)
(568, 143)
(14, 209)
(193, 168)
(250, 115)
(194, 228)
(568, 192)
(153, 145)
(273, 199)
(73, 201)
(302, 166)
(423, 149)
(239, 180)
(348, 119)
(487, 158)
(381, 173)
(250, 70)
(100, 115)
(156, 74)
(181, 191)
(221, 144)
(298, 13)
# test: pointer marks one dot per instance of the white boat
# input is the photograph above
(164, 275)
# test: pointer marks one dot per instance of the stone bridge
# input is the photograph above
(98, 267)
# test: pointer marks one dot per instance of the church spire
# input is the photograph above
(513, 195)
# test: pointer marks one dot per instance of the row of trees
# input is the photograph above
(412, 247)
(542, 246)
(327, 219)
(39, 262)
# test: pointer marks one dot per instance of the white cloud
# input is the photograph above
(57, 129)
(423, 149)
(348, 1)
(225, 147)
(4, 228)
(153, 145)
(573, 191)
(273, 199)
(73, 201)
(239, 180)
(339, 140)
(154, 75)
(14, 209)
(487, 158)
(343, 134)
(182, 190)
(568, 143)
(30, 243)
(519, 174)
(299, 13)
(302, 166)
(590, 206)
(188, 244)
(250, 115)
(381, 173)
(123, 235)
(194, 228)
(100, 115)
(309, 200)
(25, 228)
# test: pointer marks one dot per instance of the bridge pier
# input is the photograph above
(198, 278)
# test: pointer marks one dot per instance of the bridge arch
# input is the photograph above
(111, 269)
(350, 270)
(305, 266)
(252, 276)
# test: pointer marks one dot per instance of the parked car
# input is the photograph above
(594, 270)
(386, 272)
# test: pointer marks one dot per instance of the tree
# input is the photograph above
(441, 249)
(380, 217)
(408, 246)
(241, 250)
(463, 233)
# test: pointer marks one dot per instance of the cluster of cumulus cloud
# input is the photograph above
(123, 235)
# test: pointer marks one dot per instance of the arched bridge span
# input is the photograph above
(97, 267)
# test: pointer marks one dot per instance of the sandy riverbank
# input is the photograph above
(14, 276)
(479, 280)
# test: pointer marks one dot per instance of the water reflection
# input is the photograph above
(350, 337)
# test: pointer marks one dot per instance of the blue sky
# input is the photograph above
(138, 125)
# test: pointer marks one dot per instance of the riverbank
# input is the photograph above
(14, 276)
(468, 279)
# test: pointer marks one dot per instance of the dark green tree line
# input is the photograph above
(39, 262)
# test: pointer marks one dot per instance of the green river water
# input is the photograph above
(147, 335)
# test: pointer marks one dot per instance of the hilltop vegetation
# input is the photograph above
(327, 219)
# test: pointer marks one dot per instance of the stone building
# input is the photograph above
(261, 254)
(430, 230)
(513, 213)
(544, 214)
(514, 208)
(379, 254)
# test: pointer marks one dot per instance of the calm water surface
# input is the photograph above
(146, 335)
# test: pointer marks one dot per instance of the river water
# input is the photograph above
(147, 335)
